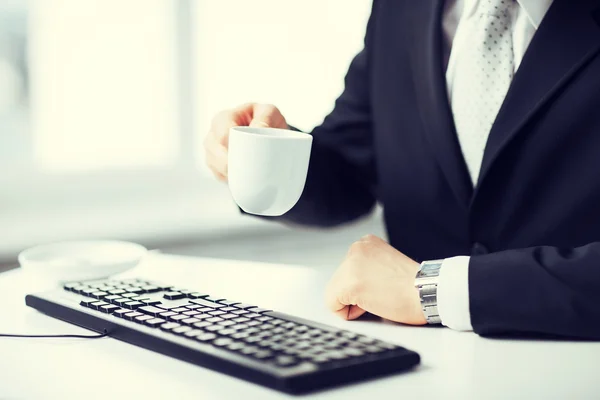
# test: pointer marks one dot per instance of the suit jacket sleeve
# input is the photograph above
(341, 176)
(545, 290)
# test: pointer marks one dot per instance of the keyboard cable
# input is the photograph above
(97, 336)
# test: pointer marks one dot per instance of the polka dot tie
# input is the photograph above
(484, 71)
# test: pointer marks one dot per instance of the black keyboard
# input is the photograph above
(269, 348)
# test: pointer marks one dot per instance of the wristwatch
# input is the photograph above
(426, 282)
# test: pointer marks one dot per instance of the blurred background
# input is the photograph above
(104, 105)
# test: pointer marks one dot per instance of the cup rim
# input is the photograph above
(287, 134)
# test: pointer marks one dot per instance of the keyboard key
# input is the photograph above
(336, 355)
(142, 318)
(121, 301)
(238, 327)
(88, 291)
(190, 313)
(71, 285)
(78, 289)
(235, 346)
(227, 332)
(202, 324)
(108, 309)
(168, 307)
(220, 342)
(213, 299)
(190, 321)
(174, 295)
(193, 333)
(252, 315)
(181, 330)
(214, 328)
(97, 304)
(169, 326)
(130, 316)
(193, 306)
(196, 295)
(179, 309)
(216, 312)
(205, 309)
(347, 334)
(264, 319)
(229, 316)
(215, 319)
(121, 312)
(286, 361)
(249, 350)
(352, 352)
(87, 303)
(226, 323)
(206, 337)
(155, 322)
(244, 306)
(151, 289)
(264, 355)
(136, 290)
(150, 310)
(117, 291)
(242, 319)
(205, 303)
(228, 302)
(152, 302)
(132, 305)
(259, 310)
(228, 309)
(321, 359)
(167, 314)
(112, 297)
(141, 298)
(253, 323)
(240, 335)
(129, 295)
(178, 318)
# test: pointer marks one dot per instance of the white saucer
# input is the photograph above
(80, 260)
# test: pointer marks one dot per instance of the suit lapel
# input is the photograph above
(425, 19)
(566, 40)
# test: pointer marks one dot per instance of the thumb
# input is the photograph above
(267, 116)
(355, 312)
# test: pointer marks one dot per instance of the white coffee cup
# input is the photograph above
(267, 168)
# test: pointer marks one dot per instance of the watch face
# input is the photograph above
(428, 270)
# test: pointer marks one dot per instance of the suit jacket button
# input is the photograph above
(479, 249)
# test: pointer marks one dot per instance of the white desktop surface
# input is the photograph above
(457, 365)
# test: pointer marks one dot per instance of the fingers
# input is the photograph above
(216, 157)
(216, 142)
(354, 312)
(267, 115)
(342, 295)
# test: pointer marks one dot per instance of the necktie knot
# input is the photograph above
(495, 7)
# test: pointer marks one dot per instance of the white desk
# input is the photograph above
(454, 365)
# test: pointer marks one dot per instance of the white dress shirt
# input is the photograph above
(453, 286)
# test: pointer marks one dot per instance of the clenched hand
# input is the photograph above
(376, 278)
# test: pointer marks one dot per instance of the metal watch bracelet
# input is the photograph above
(427, 282)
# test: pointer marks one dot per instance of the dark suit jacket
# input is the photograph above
(532, 224)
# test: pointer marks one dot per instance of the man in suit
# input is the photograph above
(476, 124)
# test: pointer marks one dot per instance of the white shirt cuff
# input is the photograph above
(453, 294)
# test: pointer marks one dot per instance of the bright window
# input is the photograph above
(104, 105)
